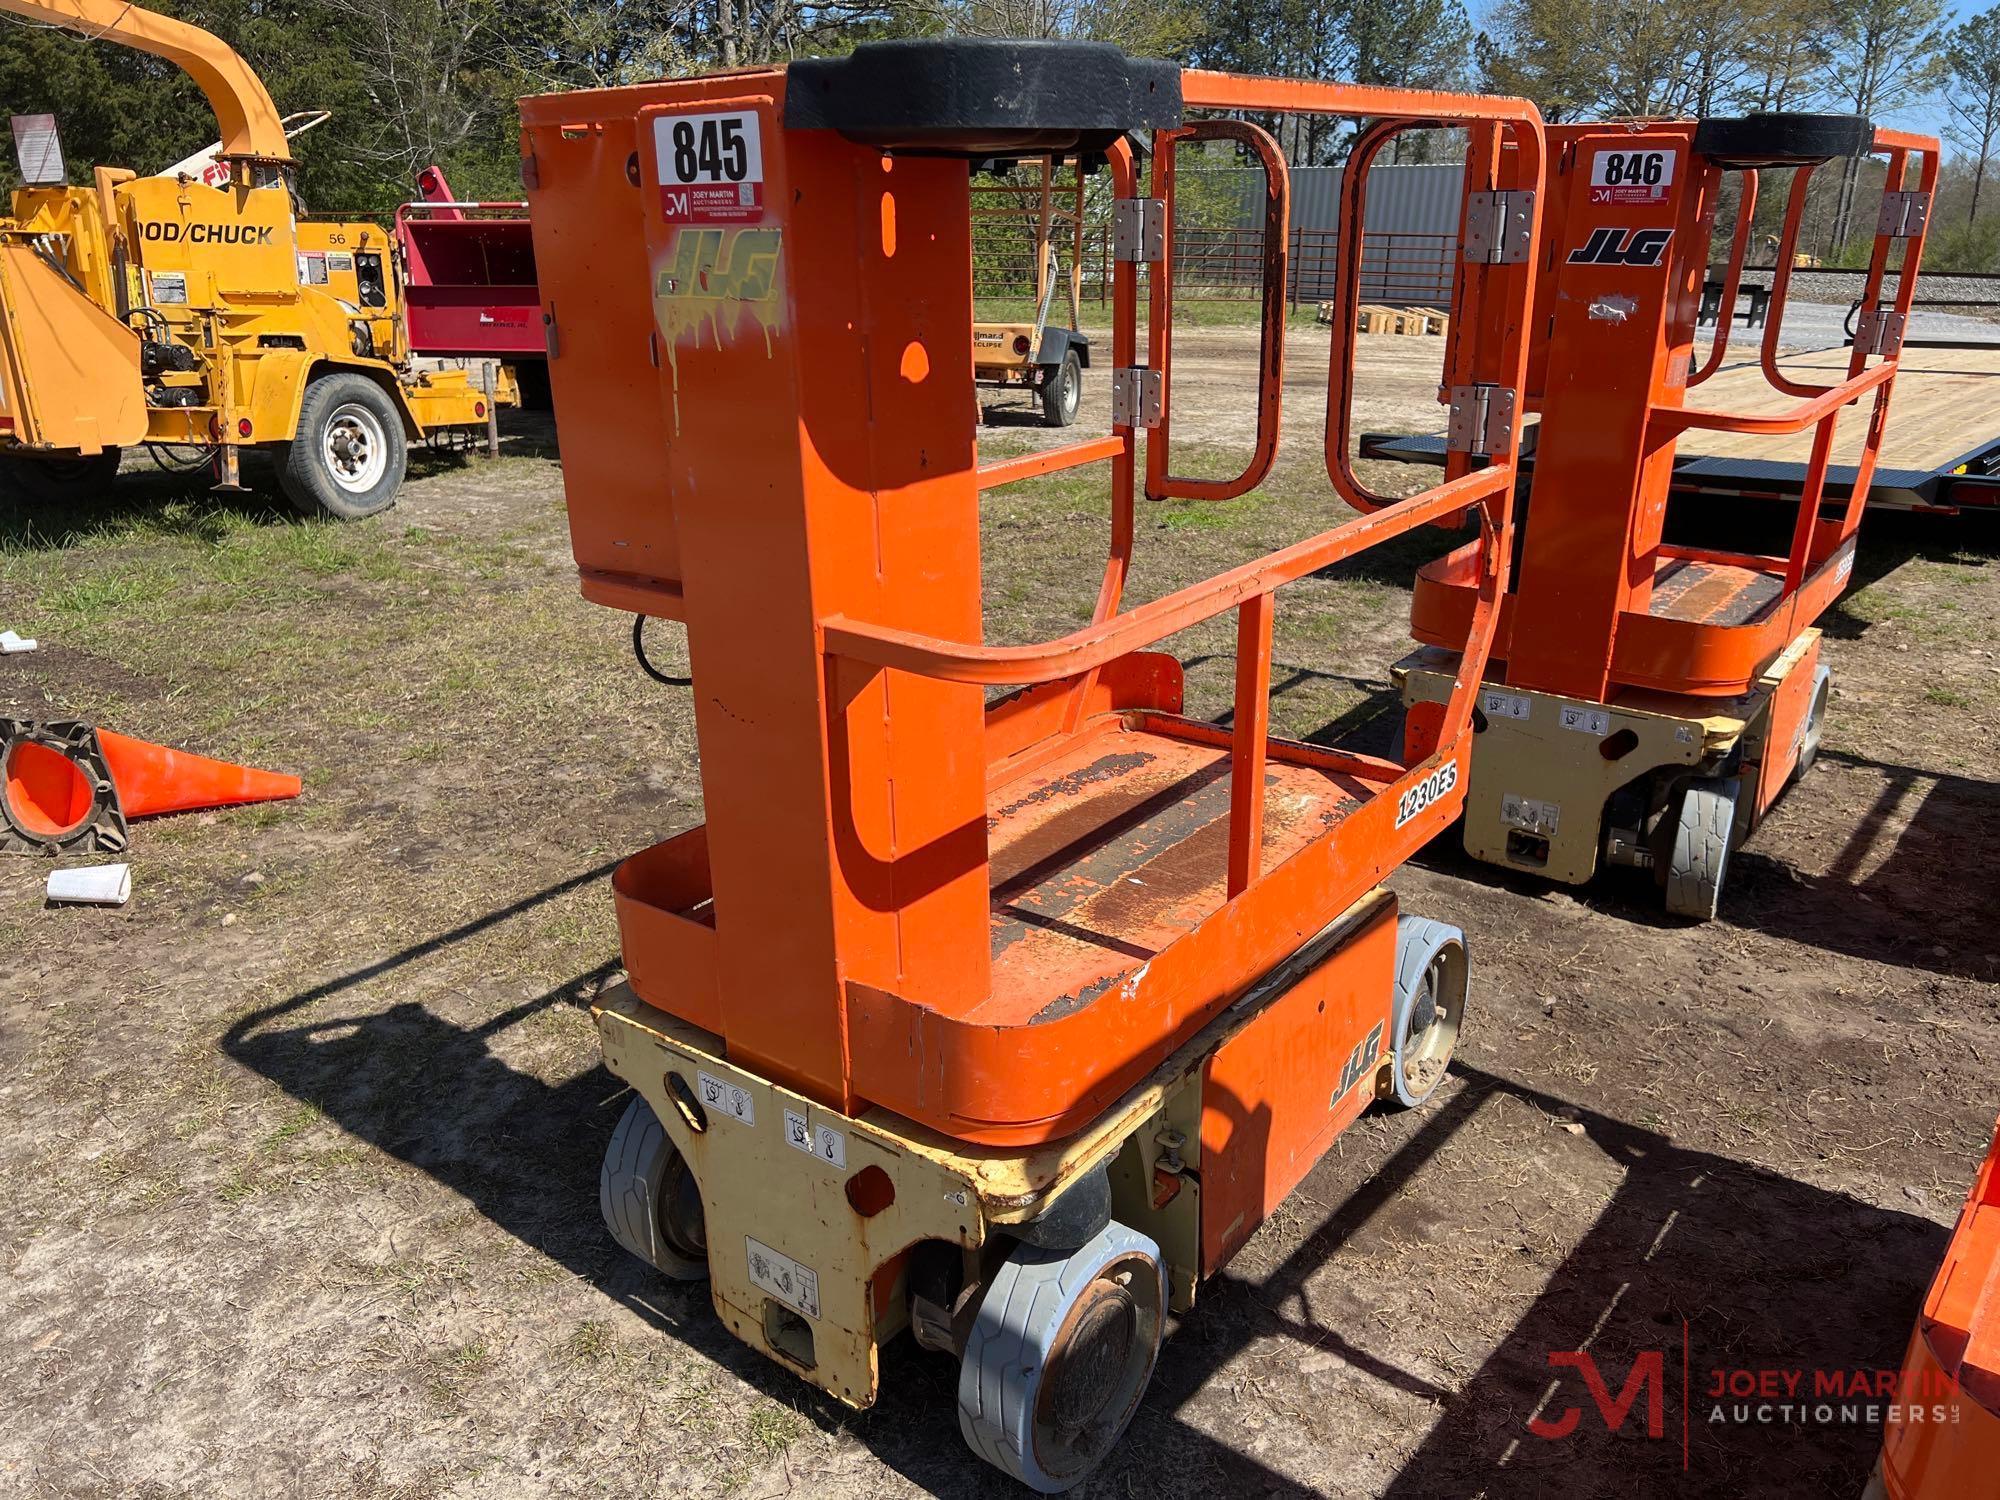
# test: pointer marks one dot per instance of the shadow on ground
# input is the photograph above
(1756, 1269)
(1901, 889)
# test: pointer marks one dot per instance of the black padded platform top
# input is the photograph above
(1781, 140)
(965, 96)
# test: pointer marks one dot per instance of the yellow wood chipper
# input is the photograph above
(193, 309)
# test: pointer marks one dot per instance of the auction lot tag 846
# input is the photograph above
(1631, 176)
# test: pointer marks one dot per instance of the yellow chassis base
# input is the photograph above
(800, 1272)
(1544, 766)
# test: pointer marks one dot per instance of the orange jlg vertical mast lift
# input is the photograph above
(1647, 702)
(1001, 1021)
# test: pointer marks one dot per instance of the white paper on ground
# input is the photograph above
(11, 643)
(94, 885)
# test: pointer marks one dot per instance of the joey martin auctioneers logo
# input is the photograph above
(1665, 1394)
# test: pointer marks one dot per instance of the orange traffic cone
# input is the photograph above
(68, 786)
(153, 779)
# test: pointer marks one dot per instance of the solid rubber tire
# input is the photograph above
(636, 1164)
(1006, 1352)
(1418, 941)
(1814, 729)
(1698, 859)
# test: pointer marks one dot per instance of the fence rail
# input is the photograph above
(1213, 265)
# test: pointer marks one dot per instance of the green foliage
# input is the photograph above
(1964, 246)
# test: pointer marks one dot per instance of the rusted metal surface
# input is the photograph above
(1105, 857)
(1708, 593)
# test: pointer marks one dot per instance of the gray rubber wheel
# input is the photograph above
(1062, 392)
(1433, 977)
(348, 458)
(1814, 727)
(1698, 858)
(1059, 1356)
(58, 481)
(649, 1198)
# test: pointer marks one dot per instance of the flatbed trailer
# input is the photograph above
(1941, 454)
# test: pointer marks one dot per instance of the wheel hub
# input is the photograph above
(681, 1218)
(355, 447)
(1097, 1365)
(1084, 1373)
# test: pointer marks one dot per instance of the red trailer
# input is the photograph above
(469, 274)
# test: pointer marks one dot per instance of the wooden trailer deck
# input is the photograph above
(1945, 410)
(1944, 416)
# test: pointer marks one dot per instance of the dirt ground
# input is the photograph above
(301, 1146)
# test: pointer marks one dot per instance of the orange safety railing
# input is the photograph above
(1818, 540)
(1488, 348)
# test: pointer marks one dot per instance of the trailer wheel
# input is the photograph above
(1062, 391)
(649, 1198)
(58, 481)
(347, 459)
(1815, 725)
(1698, 857)
(1433, 976)
(1059, 1355)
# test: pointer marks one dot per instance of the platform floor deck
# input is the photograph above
(1117, 848)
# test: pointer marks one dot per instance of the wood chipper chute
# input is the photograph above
(1648, 702)
(1003, 1022)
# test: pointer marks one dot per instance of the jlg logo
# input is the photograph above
(1359, 1062)
(741, 268)
(1612, 246)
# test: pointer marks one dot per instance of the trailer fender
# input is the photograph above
(1056, 342)
(283, 375)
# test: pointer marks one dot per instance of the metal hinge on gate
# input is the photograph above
(1138, 229)
(1903, 214)
(1498, 227)
(1482, 419)
(1879, 330)
(1138, 397)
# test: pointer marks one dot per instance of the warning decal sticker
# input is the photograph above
(795, 1285)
